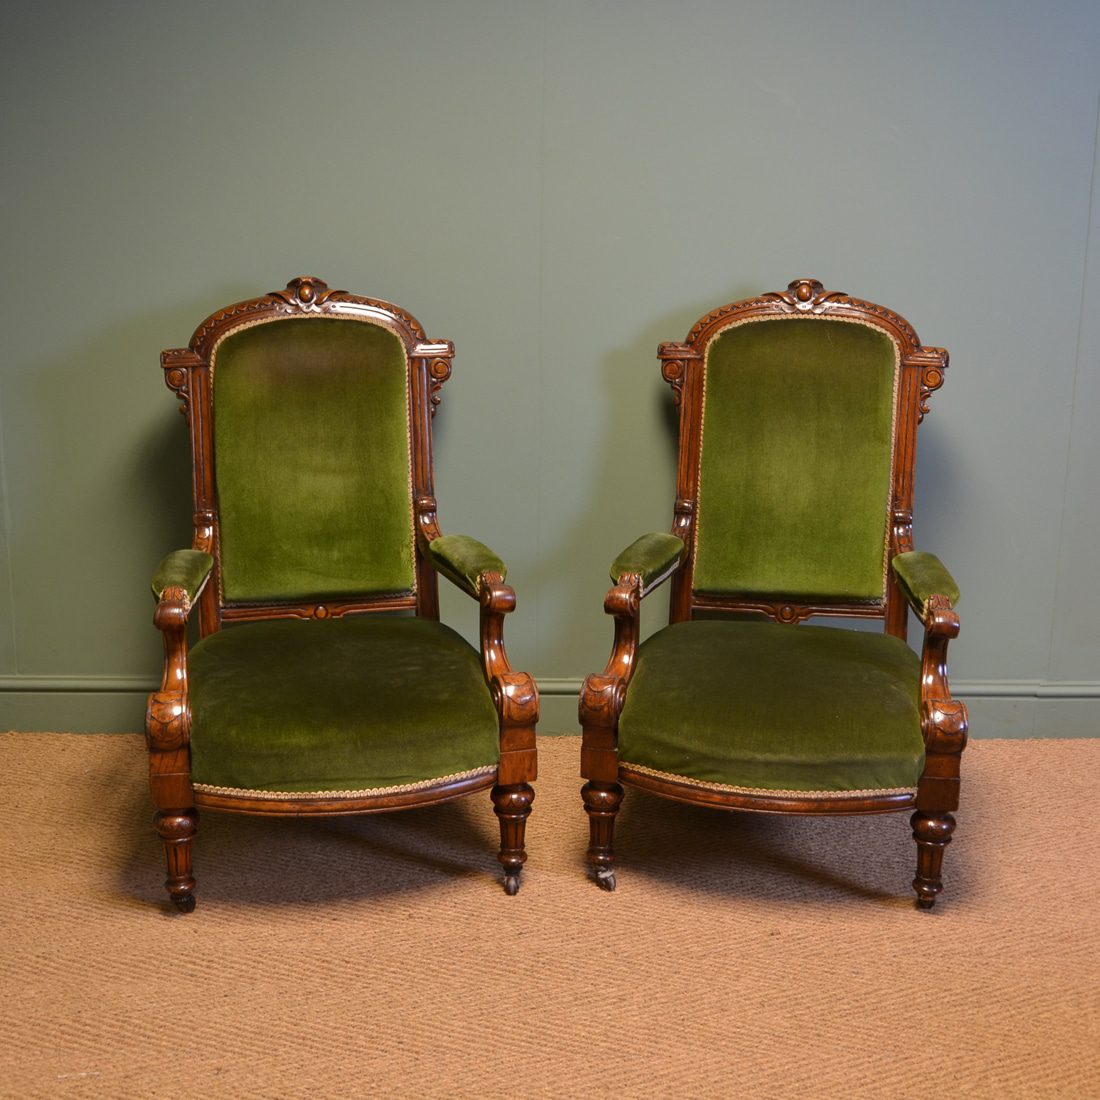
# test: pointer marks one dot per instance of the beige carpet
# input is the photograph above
(378, 956)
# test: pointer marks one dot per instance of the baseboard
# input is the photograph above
(90, 704)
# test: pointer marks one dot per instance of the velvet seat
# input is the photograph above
(343, 705)
(761, 706)
(322, 681)
(798, 414)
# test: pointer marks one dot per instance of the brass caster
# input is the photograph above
(605, 878)
(925, 903)
(185, 903)
(511, 885)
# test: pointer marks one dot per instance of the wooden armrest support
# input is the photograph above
(515, 694)
(167, 718)
(603, 694)
(943, 719)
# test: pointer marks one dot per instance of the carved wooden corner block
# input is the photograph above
(427, 519)
(932, 365)
(903, 530)
(177, 364)
(203, 538)
(674, 359)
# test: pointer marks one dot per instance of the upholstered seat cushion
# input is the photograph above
(345, 704)
(775, 707)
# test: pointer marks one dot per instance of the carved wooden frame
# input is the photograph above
(943, 719)
(188, 372)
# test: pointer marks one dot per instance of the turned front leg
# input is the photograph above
(601, 803)
(932, 832)
(176, 829)
(512, 805)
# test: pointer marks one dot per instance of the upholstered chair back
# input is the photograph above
(795, 460)
(312, 460)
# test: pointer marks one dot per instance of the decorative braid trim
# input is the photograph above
(420, 785)
(643, 770)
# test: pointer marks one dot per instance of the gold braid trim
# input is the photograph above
(641, 769)
(420, 785)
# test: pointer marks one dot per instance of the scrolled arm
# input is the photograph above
(465, 562)
(653, 558)
(921, 576)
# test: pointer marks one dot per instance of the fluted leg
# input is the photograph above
(512, 805)
(176, 829)
(601, 803)
(932, 832)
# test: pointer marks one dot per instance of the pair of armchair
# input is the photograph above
(310, 416)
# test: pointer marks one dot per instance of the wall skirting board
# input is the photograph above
(998, 708)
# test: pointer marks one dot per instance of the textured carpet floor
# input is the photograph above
(378, 956)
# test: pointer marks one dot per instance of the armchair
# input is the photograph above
(798, 416)
(310, 416)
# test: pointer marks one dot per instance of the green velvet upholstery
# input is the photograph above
(462, 559)
(775, 707)
(921, 575)
(311, 449)
(186, 569)
(652, 556)
(796, 460)
(339, 704)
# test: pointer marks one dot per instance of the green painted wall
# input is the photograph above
(556, 186)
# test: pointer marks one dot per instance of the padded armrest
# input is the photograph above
(462, 560)
(652, 556)
(186, 569)
(922, 575)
